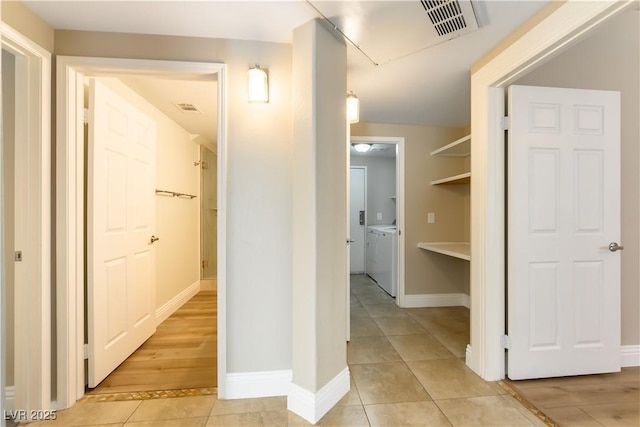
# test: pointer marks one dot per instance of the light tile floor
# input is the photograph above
(406, 370)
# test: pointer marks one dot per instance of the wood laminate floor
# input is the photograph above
(182, 354)
(588, 400)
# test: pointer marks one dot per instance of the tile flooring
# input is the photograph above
(406, 366)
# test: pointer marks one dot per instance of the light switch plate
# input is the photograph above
(379, 216)
(431, 217)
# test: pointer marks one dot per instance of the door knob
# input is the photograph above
(153, 239)
(614, 246)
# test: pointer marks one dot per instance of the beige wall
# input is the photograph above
(610, 60)
(259, 182)
(381, 185)
(8, 209)
(23, 20)
(177, 220)
(319, 189)
(426, 272)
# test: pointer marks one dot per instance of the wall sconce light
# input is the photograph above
(362, 148)
(353, 108)
(258, 85)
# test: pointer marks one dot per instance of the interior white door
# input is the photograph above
(563, 212)
(357, 218)
(120, 224)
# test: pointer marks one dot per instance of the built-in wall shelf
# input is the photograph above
(460, 250)
(463, 178)
(458, 148)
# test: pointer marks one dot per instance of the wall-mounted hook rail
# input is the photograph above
(174, 194)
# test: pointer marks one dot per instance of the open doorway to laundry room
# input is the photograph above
(376, 218)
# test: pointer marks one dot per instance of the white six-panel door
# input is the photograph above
(120, 223)
(563, 212)
(357, 196)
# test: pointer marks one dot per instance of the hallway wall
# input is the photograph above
(259, 206)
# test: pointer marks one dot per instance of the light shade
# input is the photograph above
(361, 147)
(353, 108)
(258, 85)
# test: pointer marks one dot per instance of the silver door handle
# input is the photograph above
(153, 239)
(349, 241)
(613, 246)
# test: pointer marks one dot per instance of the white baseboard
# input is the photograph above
(436, 300)
(9, 398)
(176, 302)
(313, 406)
(629, 355)
(466, 301)
(246, 385)
(468, 355)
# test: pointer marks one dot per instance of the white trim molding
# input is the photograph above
(436, 300)
(570, 21)
(32, 294)
(9, 398)
(629, 356)
(171, 306)
(246, 385)
(313, 406)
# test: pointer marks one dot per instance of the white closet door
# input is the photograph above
(564, 211)
(121, 221)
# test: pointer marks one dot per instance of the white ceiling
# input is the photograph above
(166, 94)
(420, 85)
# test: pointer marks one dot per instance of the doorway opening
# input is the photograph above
(72, 72)
(175, 347)
(377, 183)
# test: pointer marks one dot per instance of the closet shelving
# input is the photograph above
(460, 250)
(458, 148)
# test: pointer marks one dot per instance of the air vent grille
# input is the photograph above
(188, 108)
(446, 16)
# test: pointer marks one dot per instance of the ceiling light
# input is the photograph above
(362, 148)
(353, 108)
(258, 85)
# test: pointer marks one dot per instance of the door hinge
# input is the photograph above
(505, 341)
(505, 123)
(17, 256)
(85, 116)
(205, 264)
(85, 351)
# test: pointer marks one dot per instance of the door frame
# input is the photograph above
(32, 379)
(400, 169)
(70, 233)
(365, 212)
(557, 27)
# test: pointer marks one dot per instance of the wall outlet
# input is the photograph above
(431, 217)
(379, 216)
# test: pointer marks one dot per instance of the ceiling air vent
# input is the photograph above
(450, 18)
(187, 108)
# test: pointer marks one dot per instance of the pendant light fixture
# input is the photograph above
(353, 108)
